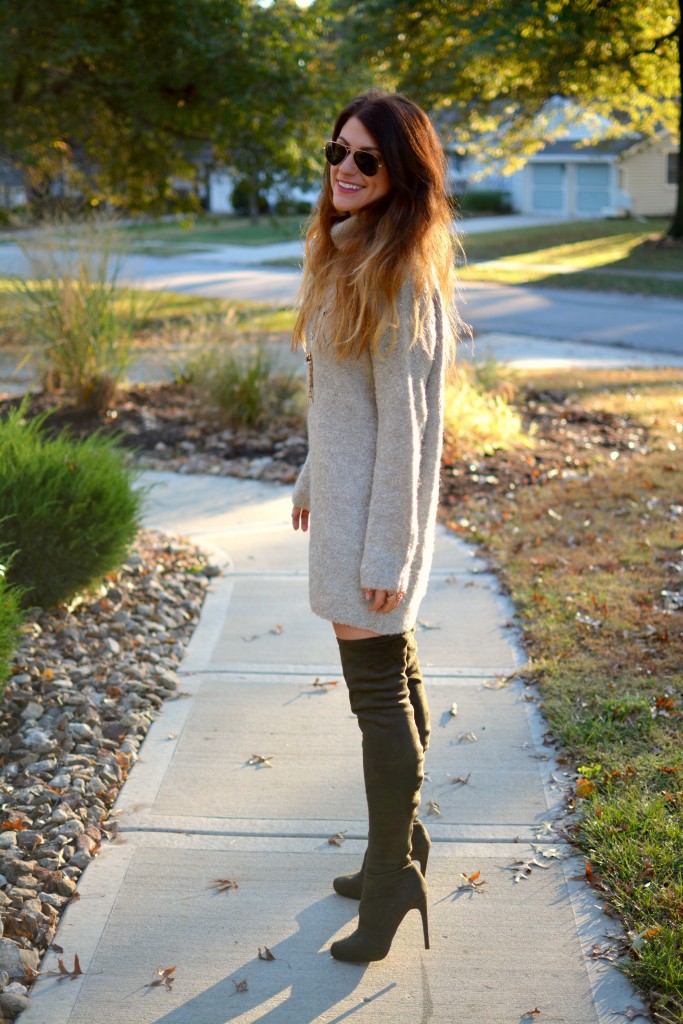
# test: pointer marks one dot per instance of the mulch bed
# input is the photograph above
(169, 428)
(567, 439)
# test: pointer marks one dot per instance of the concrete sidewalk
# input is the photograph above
(194, 811)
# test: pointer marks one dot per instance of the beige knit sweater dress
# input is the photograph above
(371, 479)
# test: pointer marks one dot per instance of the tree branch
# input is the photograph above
(658, 42)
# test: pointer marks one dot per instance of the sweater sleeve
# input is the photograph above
(400, 381)
(301, 495)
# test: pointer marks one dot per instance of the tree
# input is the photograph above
(287, 101)
(491, 66)
(119, 95)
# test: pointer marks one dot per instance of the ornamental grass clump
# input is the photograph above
(10, 620)
(79, 322)
(245, 387)
(68, 510)
(479, 417)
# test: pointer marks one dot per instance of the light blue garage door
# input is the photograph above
(592, 189)
(549, 188)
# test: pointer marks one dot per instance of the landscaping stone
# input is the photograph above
(94, 698)
(16, 960)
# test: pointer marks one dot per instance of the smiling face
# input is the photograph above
(351, 190)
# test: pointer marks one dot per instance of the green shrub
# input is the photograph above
(244, 387)
(80, 322)
(485, 201)
(240, 199)
(68, 507)
(10, 620)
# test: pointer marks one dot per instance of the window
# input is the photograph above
(672, 168)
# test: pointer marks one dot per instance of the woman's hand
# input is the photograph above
(300, 518)
(383, 600)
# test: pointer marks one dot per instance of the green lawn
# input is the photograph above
(580, 254)
(170, 310)
(192, 234)
(199, 232)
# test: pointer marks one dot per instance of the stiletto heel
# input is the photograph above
(425, 921)
(386, 901)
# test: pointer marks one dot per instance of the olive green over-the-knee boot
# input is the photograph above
(351, 886)
(375, 673)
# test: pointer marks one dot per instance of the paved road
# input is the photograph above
(641, 323)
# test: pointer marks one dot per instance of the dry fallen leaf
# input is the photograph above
(164, 977)
(14, 824)
(500, 682)
(276, 630)
(223, 885)
(433, 808)
(64, 972)
(469, 737)
(317, 685)
(523, 868)
(240, 986)
(584, 787)
(531, 1013)
(338, 838)
(266, 955)
(261, 759)
(549, 852)
(462, 780)
(609, 953)
(473, 882)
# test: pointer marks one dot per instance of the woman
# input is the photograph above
(376, 319)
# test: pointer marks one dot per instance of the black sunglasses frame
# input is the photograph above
(367, 163)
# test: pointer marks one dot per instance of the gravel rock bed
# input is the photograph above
(86, 684)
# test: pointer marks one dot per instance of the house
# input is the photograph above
(12, 187)
(579, 175)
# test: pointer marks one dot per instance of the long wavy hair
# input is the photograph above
(407, 234)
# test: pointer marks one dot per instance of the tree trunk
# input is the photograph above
(676, 229)
(253, 204)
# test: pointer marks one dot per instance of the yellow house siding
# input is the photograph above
(643, 176)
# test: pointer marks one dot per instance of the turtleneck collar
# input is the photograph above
(342, 231)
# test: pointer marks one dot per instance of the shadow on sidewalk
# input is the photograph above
(308, 984)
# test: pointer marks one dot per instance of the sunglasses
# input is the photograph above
(367, 163)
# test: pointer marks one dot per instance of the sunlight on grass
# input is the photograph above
(575, 255)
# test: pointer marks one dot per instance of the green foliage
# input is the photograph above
(487, 72)
(68, 510)
(10, 620)
(485, 201)
(79, 322)
(247, 200)
(245, 387)
(113, 99)
(494, 68)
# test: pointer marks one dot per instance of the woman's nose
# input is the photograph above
(348, 163)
